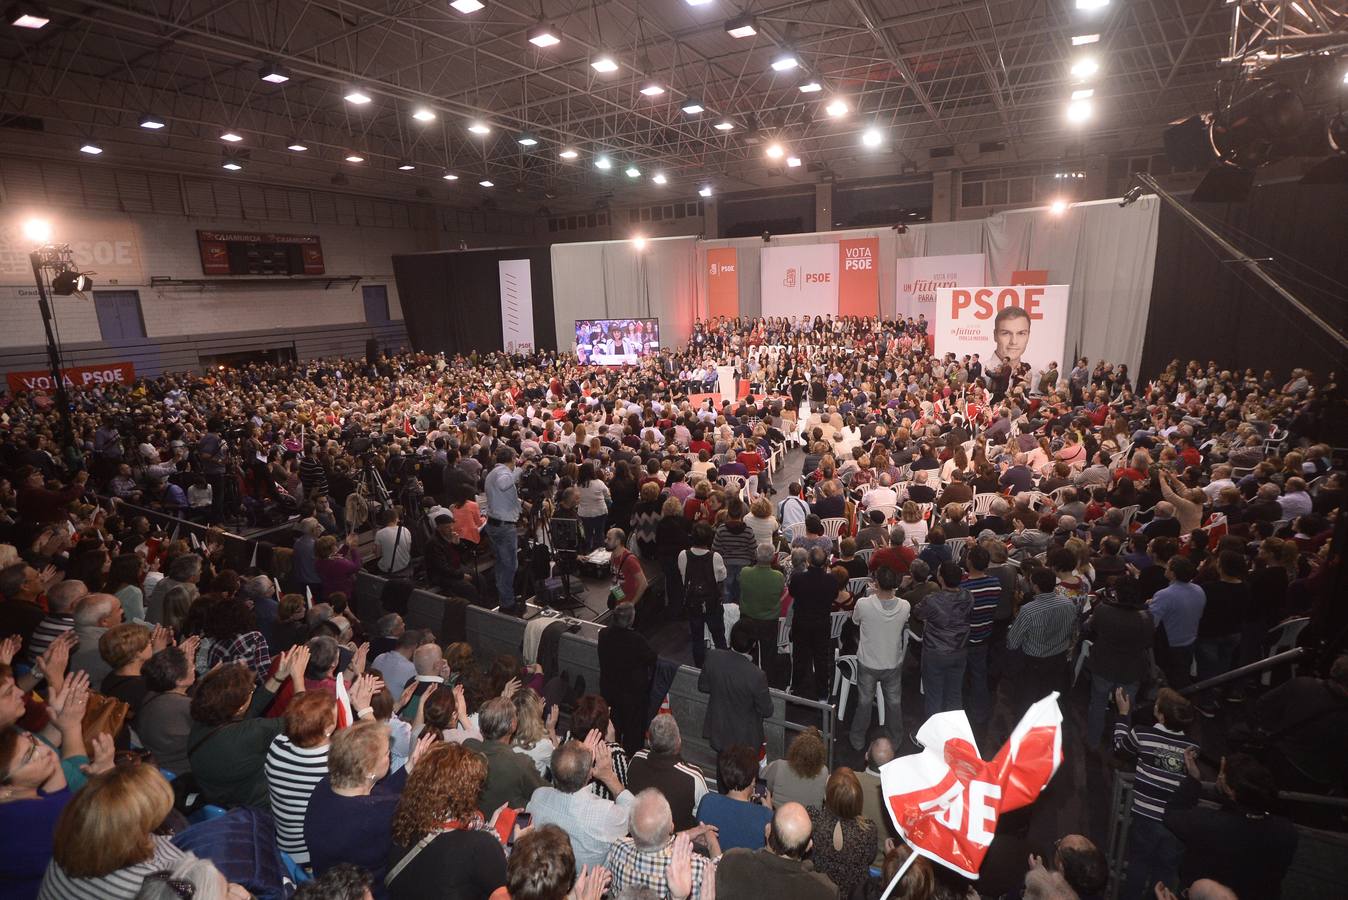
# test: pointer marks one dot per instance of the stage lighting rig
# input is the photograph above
(54, 266)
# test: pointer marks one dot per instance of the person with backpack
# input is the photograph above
(703, 572)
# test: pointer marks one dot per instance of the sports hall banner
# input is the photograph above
(106, 248)
(800, 280)
(723, 282)
(517, 305)
(859, 277)
(73, 377)
(918, 279)
(1015, 323)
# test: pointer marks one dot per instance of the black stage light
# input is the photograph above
(70, 282)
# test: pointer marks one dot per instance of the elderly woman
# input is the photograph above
(914, 526)
(442, 844)
(337, 568)
(164, 720)
(645, 518)
(296, 762)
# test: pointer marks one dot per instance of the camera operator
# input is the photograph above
(504, 509)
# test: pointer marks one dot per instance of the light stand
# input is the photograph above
(58, 259)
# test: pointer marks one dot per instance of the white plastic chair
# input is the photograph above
(794, 530)
(982, 504)
(865, 555)
(957, 545)
(1055, 495)
(845, 678)
(1285, 639)
(833, 527)
(836, 620)
(858, 586)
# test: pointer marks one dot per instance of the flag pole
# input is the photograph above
(898, 876)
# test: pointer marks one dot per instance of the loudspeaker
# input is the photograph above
(371, 350)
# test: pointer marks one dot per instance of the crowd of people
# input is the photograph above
(989, 532)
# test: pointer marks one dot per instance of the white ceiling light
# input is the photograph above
(355, 158)
(1058, 207)
(1082, 40)
(604, 163)
(486, 183)
(785, 62)
(1089, 5)
(1085, 67)
(232, 136)
(467, 7)
(568, 153)
(527, 140)
(273, 74)
(450, 176)
(297, 146)
(544, 36)
(639, 242)
(697, 2)
(479, 128)
(872, 137)
(704, 191)
(633, 172)
(91, 148)
(25, 15)
(357, 98)
(652, 89)
(153, 123)
(810, 86)
(1083, 94)
(1345, 77)
(742, 27)
(775, 151)
(659, 178)
(724, 125)
(793, 162)
(231, 165)
(1079, 111)
(406, 166)
(604, 63)
(836, 108)
(693, 107)
(422, 114)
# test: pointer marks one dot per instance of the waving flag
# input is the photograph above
(945, 801)
(344, 714)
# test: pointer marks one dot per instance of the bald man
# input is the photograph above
(777, 870)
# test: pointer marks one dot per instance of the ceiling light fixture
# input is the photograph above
(651, 89)
(232, 136)
(297, 146)
(231, 165)
(810, 86)
(693, 107)
(1058, 207)
(1085, 67)
(633, 172)
(785, 61)
(479, 128)
(527, 140)
(793, 162)
(1079, 111)
(1083, 94)
(406, 166)
(741, 27)
(697, 2)
(273, 74)
(836, 108)
(1082, 40)
(357, 98)
(568, 153)
(26, 15)
(544, 36)
(485, 183)
(355, 158)
(1091, 5)
(422, 114)
(467, 7)
(724, 125)
(450, 176)
(659, 178)
(604, 63)
(153, 123)
(91, 148)
(775, 151)
(705, 191)
(639, 242)
(872, 137)
(604, 163)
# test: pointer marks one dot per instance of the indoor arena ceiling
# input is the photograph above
(918, 75)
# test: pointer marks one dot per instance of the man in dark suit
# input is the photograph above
(919, 491)
(812, 593)
(626, 667)
(739, 700)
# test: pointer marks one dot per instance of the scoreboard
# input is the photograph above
(259, 253)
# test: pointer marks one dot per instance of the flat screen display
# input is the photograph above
(616, 342)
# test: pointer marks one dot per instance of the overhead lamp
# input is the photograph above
(775, 151)
(355, 158)
(527, 140)
(69, 282)
(837, 108)
(153, 123)
(603, 162)
(1085, 67)
(741, 27)
(422, 114)
(544, 36)
(693, 107)
(810, 86)
(604, 63)
(273, 74)
(1091, 5)
(467, 7)
(793, 162)
(357, 98)
(704, 191)
(872, 137)
(90, 148)
(450, 176)
(1345, 78)
(486, 183)
(785, 62)
(1079, 111)
(27, 15)
(37, 231)
(232, 165)
(406, 166)
(1081, 40)
(1058, 207)
(297, 146)
(724, 125)
(232, 136)
(639, 242)
(479, 128)
(568, 153)
(659, 178)
(1083, 94)
(633, 172)
(652, 89)
(697, 2)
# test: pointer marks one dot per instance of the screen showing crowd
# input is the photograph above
(615, 342)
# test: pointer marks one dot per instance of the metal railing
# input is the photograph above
(238, 548)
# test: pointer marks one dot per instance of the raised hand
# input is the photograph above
(49, 576)
(592, 883)
(161, 637)
(679, 869)
(365, 687)
(358, 661)
(101, 756)
(424, 743)
(511, 689)
(69, 703)
(1121, 701)
(406, 696)
(9, 648)
(189, 648)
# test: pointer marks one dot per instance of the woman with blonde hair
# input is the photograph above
(535, 737)
(761, 521)
(914, 526)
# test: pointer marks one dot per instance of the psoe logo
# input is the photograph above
(722, 269)
(791, 276)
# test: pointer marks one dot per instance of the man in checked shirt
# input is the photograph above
(1042, 631)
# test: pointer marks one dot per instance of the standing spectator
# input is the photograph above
(986, 591)
(1178, 609)
(1226, 608)
(594, 503)
(661, 766)
(873, 805)
(183, 571)
(629, 578)
(1122, 631)
(125, 579)
(761, 588)
(882, 619)
(336, 569)
(626, 667)
(944, 614)
(503, 513)
(844, 840)
(395, 546)
(702, 572)
(164, 719)
(812, 595)
(1043, 632)
(738, 816)
(305, 558)
(802, 775)
(738, 698)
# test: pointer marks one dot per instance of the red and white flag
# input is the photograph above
(344, 715)
(945, 801)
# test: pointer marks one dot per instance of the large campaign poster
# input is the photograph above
(800, 280)
(723, 284)
(918, 278)
(859, 277)
(106, 248)
(1008, 324)
(517, 305)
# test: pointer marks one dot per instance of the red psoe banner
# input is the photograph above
(74, 377)
(723, 282)
(859, 277)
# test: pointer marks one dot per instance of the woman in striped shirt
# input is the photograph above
(296, 762)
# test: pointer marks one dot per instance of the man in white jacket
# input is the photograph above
(881, 616)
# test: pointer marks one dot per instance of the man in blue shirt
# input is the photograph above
(1178, 609)
(503, 515)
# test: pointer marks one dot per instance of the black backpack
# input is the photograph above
(700, 589)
